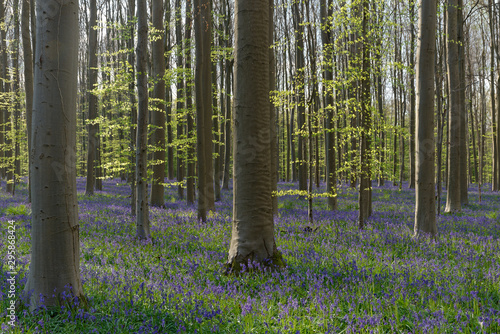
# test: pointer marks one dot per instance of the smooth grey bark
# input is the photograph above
(28, 78)
(463, 142)
(300, 93)
(180, 86)
(252, 237)
(326, 38)
(411, 184)
(425, 205)
(494, 106)
(142, 208)
(364, 200)
(92, 100)
(55, 245)
(158, 113)
(133, 105)
(203, 93)
(453, 196)
(190, 185)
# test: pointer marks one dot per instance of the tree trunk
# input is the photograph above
(425, 206)
(142, 209)
(326, 37)
(92, 100)
(159, 117)
(55, 249)
(203, 88)
(300, 93)
(252, 236)
(365, 123)
(190, 191)
(463, 143)
(412, 96)
(453, 195)
(133, 108)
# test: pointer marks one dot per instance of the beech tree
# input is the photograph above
(55, 248)
(142, 208)
(203, 91)
(453, 195)
(425, 204)
(159, 117)
(252, 237)
(92, 100)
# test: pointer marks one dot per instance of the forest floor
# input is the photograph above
(337, 279)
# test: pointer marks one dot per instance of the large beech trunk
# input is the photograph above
(425, 206)
(253, 228)
(55, 249)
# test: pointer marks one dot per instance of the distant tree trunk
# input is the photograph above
(159, 117)
(412, 95)
(203, 88)
(365, 189)
(28, 79)
(252, 236)
(190, 193)
(142, 209)
(494, 113)
(180, 93)
(463, 142)
(300, 93)
(453, 195)
(425, 206)
(326, 37)
(92, 100)
(133, 107)
(55, 241)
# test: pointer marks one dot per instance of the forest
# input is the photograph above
(250, 166)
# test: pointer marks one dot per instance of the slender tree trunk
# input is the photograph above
(203, 87)
(412, 95)
(365, 124)
(494, 113)
(133, 108)
(142, 208)
(252, 236)
(55, 249)
(190, 187)
(463, 146)
(326, 37)
(425, 206)
(92, 100)
(300, 93)
(453, 195)
(158, 113)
